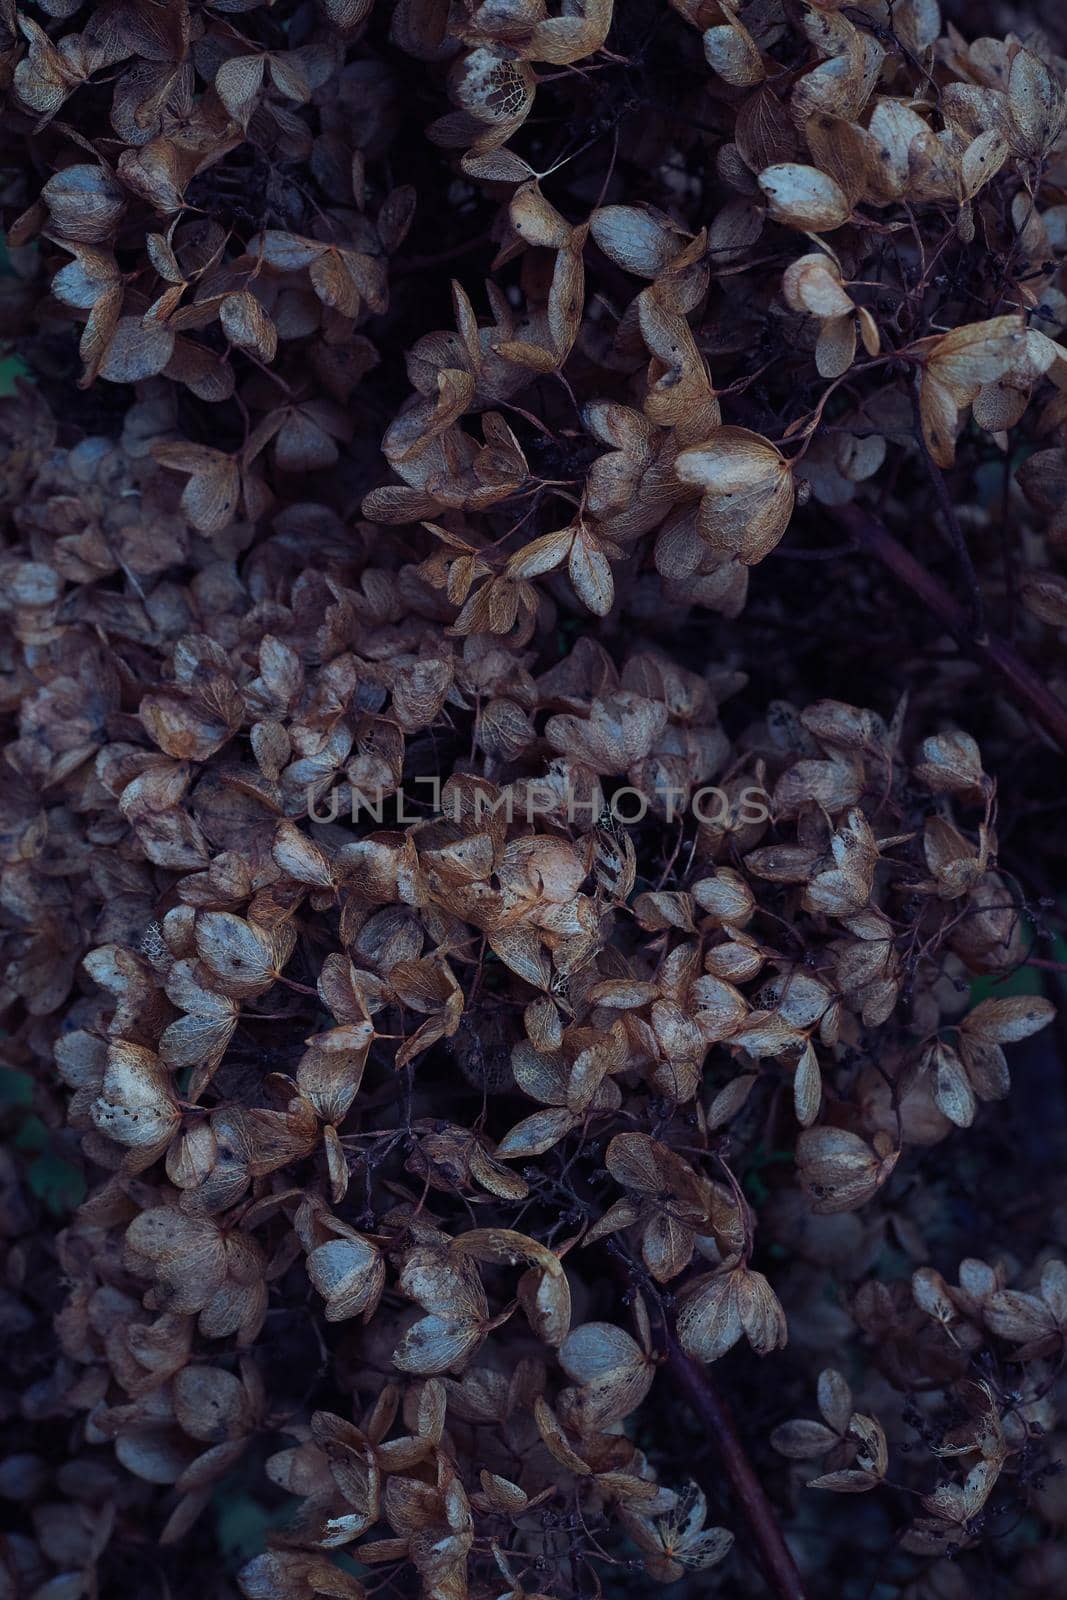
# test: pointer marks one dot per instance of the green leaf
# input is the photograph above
(241, 1525)
(10, 369)
(32, 1135)
(57, 1182)
(16, 1088)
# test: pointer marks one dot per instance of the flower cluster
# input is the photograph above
(419, 1156)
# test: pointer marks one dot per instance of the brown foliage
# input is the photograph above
(457, 909)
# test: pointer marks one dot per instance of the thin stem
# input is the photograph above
(402, 267)
(1023, 684)
(291, 983)
(696, 1385)
(610, 172)
(948, 513)
(1007, 544)
(805, 429)
(699, 1389)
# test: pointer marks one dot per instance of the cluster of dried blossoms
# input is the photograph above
(474, 1005)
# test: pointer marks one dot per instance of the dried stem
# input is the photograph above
(696, 1385)
(951, 521)
(1020, 680)
(698, 1388)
